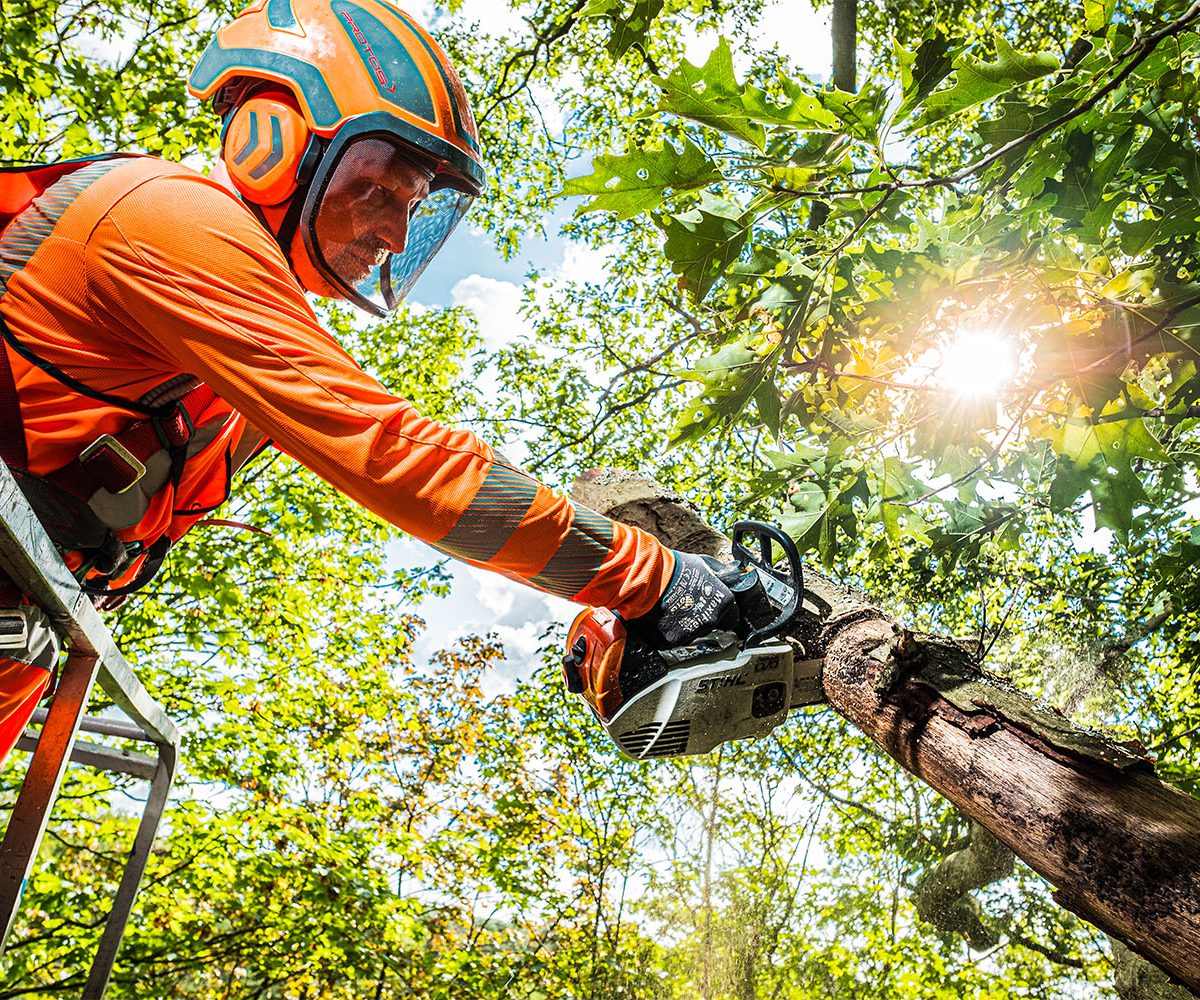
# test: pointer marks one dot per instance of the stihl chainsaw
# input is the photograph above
(724, 685)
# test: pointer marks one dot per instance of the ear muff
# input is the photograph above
(264, 145)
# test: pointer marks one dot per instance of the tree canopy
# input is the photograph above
(940, 323)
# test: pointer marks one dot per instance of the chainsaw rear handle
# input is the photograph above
(765, 533)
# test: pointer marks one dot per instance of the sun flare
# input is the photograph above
(977, 363)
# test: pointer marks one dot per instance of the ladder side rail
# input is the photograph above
(32, 563)
(34, 566)
(131, 878)
(31, 813)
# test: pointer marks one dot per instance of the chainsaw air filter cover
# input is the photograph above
(731, 695)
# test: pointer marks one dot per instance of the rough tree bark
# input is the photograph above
(1121, 848)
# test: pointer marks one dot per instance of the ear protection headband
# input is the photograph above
(268, 149)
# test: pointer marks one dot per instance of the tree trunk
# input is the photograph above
(843, 28)
(843, 31)
(1121, 848)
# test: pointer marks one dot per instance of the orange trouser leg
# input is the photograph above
(21, 688)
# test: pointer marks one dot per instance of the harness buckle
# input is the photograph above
(114, 466)
(14, 629)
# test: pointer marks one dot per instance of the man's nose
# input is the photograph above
(394, 234)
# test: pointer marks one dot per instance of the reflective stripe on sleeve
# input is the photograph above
(493, 515)
(579, 557)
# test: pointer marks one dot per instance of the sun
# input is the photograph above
(976, 363)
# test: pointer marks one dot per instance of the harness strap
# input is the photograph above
(165, 419)
(153, 563)
(115, 462)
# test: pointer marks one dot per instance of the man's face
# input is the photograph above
(365, 211)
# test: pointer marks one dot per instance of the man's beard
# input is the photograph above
(358, 260)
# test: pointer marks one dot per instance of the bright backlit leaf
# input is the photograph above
(703, 241)
(977, 80)
(640, 180)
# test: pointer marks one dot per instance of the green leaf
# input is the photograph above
(728, 358)
(1016, 119)
(922, 70)
(800, 457)
(858, 113)
(1082, 199)
(703, 242)
(895, 481)
(710, 94)
(976, 81)
(822, 510)
(770, 406)
(642, 179)
(801, 112)
(893, 484)
(1098, 457)
(630, 29)
(730, 378)
(1097, 14)
(1181, 219)
(599, 8)
(899, 522)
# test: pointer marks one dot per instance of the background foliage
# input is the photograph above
(791, 267)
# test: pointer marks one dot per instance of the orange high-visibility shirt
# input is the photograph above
(152, 270)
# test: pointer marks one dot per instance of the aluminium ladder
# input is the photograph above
(30, 560)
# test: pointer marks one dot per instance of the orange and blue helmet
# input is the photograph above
(348, 113)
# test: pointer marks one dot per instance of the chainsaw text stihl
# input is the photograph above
(724, 685)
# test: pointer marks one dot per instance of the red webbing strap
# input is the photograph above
(106, 468)
(172, 430)
(12, 429)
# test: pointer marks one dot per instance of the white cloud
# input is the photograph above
(582, 263)
(496, 305)
(482, 602)
(494, 17)
(801, 33)
(497, 594)
(521, 657)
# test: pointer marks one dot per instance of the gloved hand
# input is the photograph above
(608, 661)
(696, 602)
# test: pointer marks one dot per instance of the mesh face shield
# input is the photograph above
(375, 216)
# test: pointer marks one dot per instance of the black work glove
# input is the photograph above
(695, 603)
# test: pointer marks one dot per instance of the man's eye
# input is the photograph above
(378, 197)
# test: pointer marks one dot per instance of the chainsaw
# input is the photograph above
(723, 685)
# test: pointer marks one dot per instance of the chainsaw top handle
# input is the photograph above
(784, 589)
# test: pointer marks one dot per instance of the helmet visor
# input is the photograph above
(380, 218)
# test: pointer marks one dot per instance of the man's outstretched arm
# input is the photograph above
(215, 297)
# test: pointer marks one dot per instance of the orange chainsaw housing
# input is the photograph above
(595, 644)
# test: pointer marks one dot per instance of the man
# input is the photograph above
(157, 335)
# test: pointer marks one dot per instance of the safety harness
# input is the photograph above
(112, 462)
